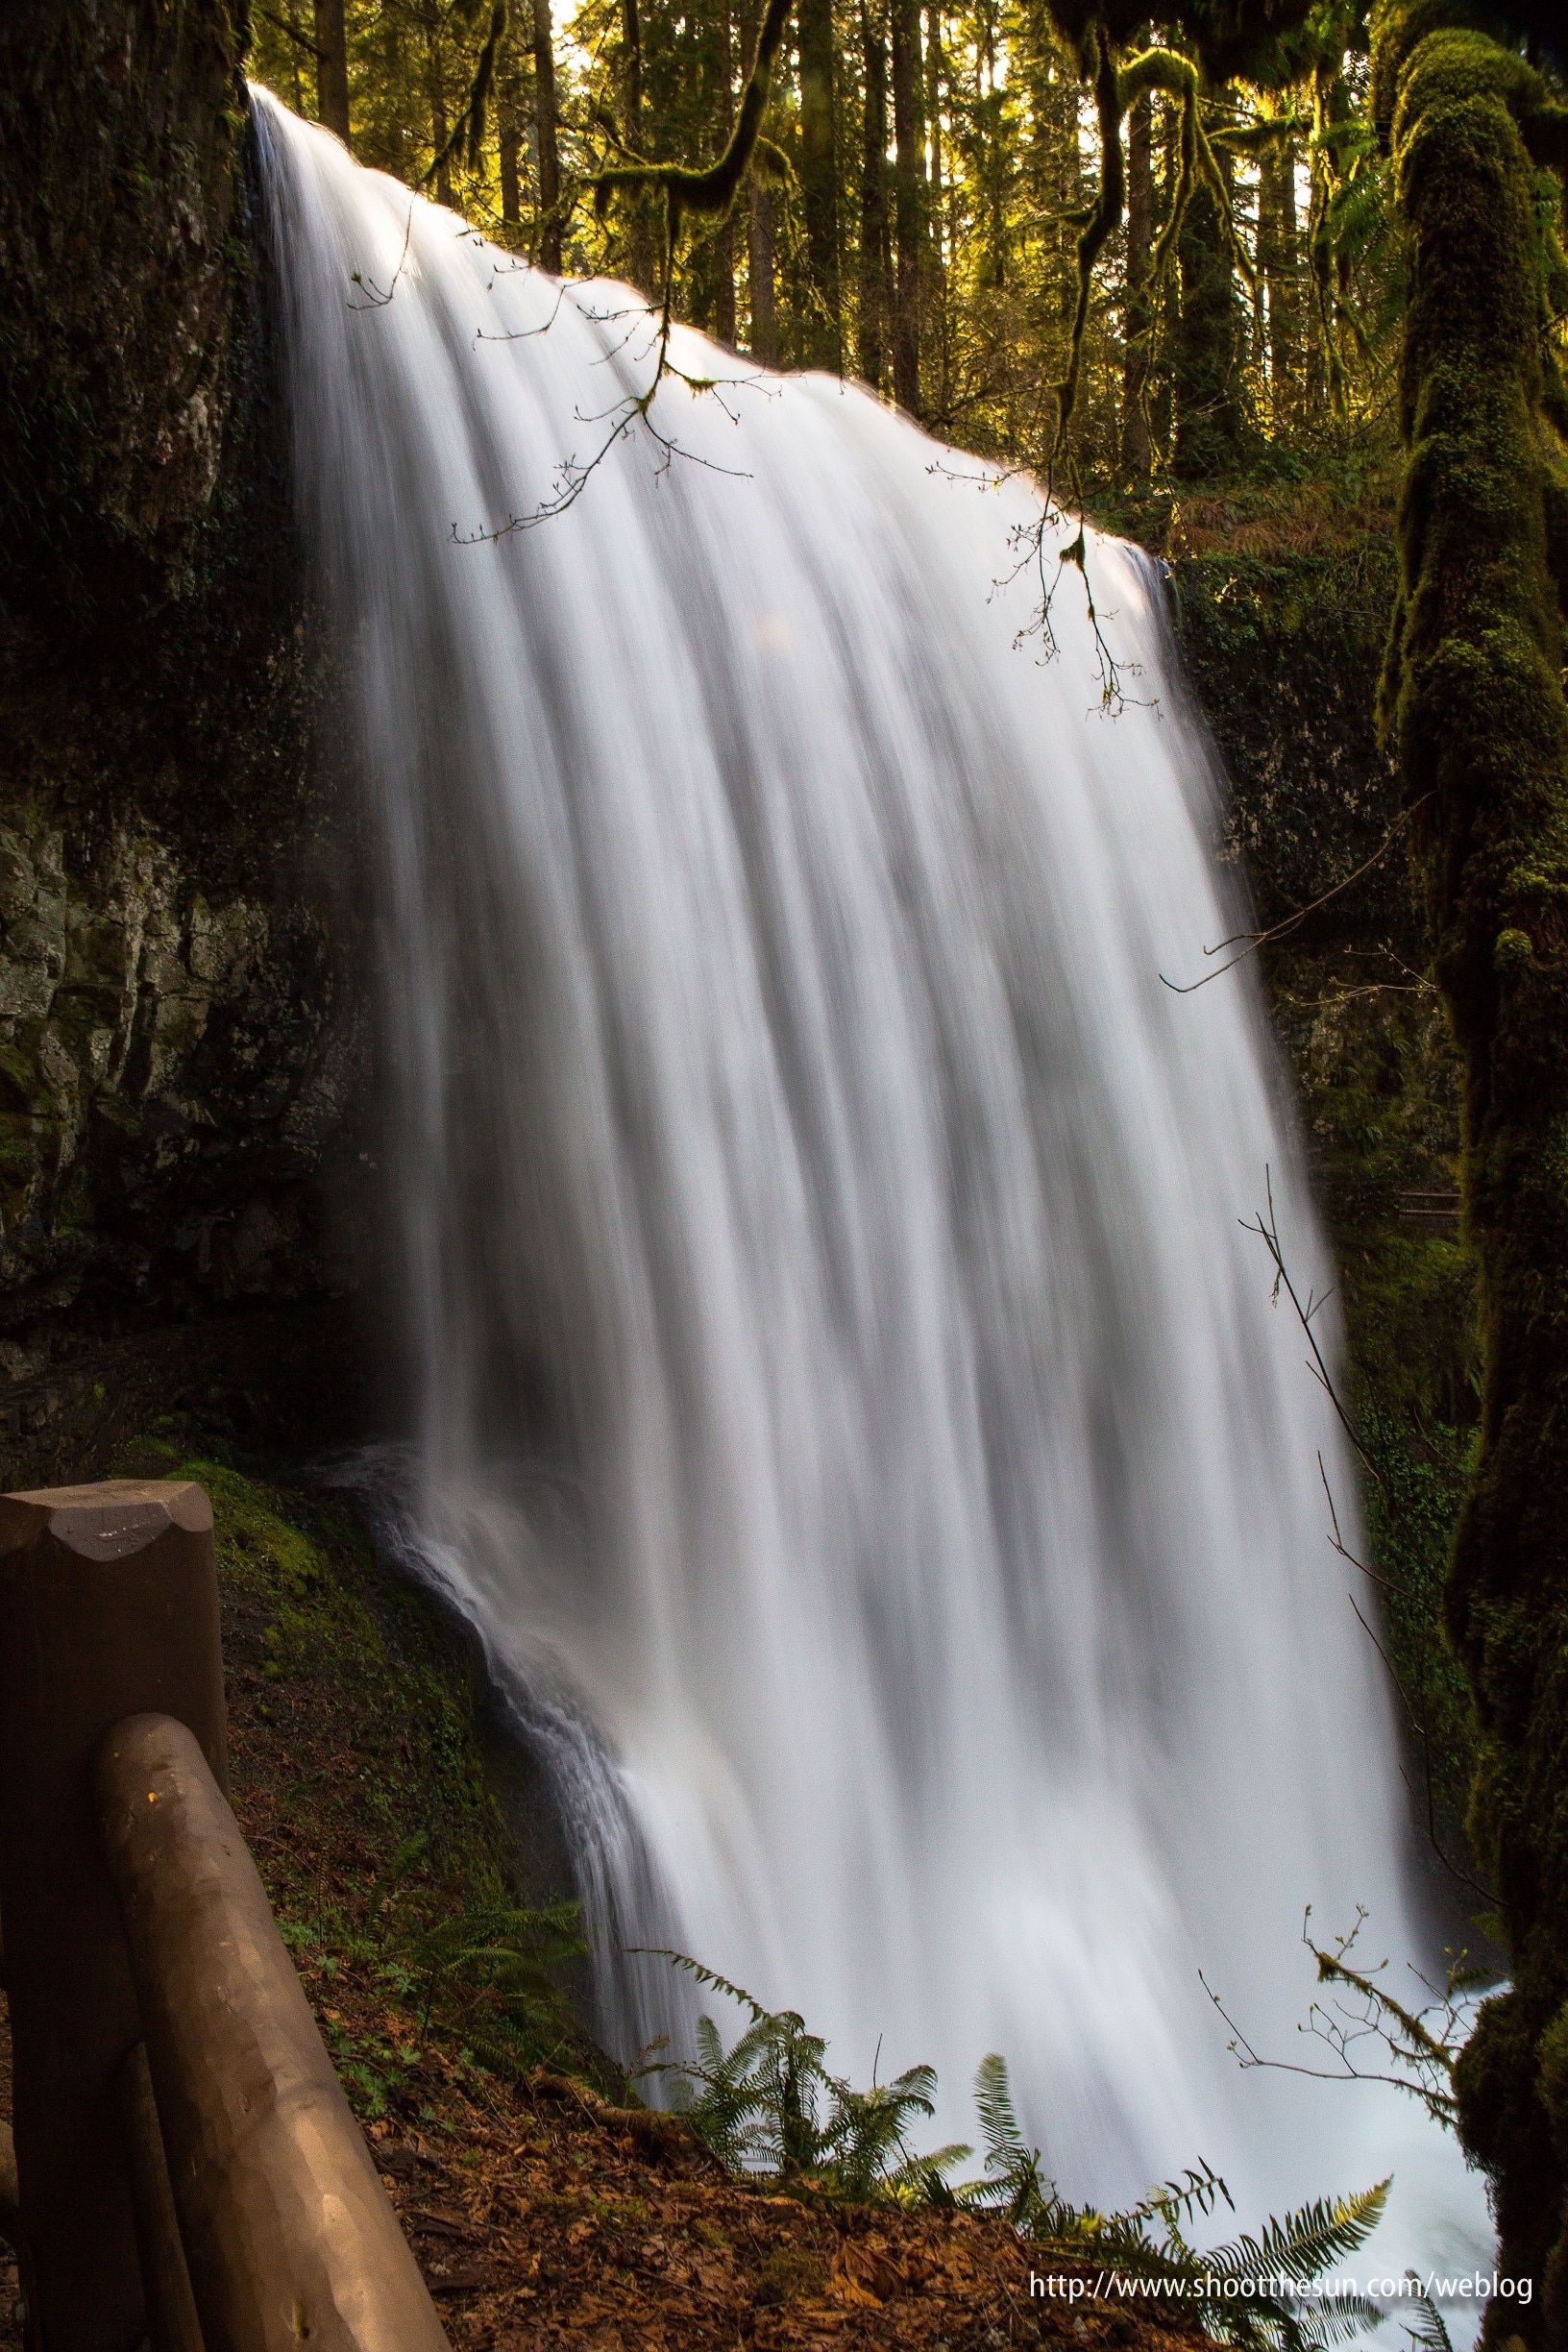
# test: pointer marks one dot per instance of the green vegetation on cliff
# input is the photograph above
(1280, 595)
(357, 1760)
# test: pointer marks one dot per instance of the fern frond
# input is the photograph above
(710, 2048)
(703, 1976)
(922, 2180)
(998, 2119)
(1429, 2333)
(1197, 2191)
(1305, 2244)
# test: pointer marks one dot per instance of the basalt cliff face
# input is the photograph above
(183, 1040)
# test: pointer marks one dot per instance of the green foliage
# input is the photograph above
(1429, 2333)
(1284, 647)
(769, 2105)
(1255, 2291)
(489, 1975)
(990, 240)
(1411, 1509)
(351, 1707)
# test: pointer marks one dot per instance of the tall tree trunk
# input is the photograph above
(724, 306)
(1165, 302)
(1473, 701)
(759, 266)
(1140, 315)
(1059, 178)
(1286, 356)
(762, 327)
(1278, 264)
(631, 43)
(545, 132)
(509, 156)
(909, 200)
(642, 261)
(995, 171)
(820, 185)
(873, 289)
(934, 222)
(936, 323)
(1332, 105)
(1208, 419)
(509, 146)
(332, 67)
(298, 44)
(440, 128)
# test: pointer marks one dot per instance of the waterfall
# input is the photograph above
(847, 1403)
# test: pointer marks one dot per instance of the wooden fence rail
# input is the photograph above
(186, 2168)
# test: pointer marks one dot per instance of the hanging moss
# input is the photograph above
(1474, 705)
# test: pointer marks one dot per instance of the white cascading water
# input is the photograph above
(848, 1407)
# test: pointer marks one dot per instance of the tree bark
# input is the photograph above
(932, 165)
(820, 185)
(875, 257)
(545, 132)
(1209, 419)
(631, 41)
(1473, 701)
(724, 306)
(763, 326)
(1136, 454)
(759, 262)
(508, 157)
(332, 67)
(440, 128)
(1279, 265)
(909, 200)
(509, 145)
(642, 258)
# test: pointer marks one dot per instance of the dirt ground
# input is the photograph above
(537, 2227)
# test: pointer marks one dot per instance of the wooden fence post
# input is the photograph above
(108, 1607)
(290, 2236)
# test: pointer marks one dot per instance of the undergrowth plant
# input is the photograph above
(769, 2106)
(1260, 2292)
(486, 1972)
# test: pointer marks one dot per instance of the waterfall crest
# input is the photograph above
(848, 1407)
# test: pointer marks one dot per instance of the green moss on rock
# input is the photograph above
(179, 972)
(361, 1776)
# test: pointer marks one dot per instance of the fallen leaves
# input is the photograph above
(541, 2231)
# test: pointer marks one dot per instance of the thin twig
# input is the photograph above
(1283, 930)
(378, 300)
(1268, 1233)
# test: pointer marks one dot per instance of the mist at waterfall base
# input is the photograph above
(849, 1410)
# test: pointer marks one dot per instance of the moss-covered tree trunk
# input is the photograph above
(1204, 363)
(1473, 701)
(1137, 455)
